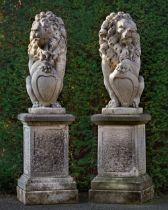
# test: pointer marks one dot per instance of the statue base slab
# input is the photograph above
(121, 164)
(46, 190)
(121, 190)
(45, 178)
(46, 110)
(122, 110)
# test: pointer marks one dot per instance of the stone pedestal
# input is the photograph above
(46, 177)
(122, 174)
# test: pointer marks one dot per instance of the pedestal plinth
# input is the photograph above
(46, 177)
(122, 174)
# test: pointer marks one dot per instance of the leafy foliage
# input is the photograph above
(84, 93)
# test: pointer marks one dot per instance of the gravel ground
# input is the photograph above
(9, 202)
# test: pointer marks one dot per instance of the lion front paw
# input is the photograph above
(112, 104)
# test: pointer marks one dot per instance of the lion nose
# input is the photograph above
(129, 29)
(127, 32)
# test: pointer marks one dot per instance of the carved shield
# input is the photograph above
(46, 87)
(125, 86)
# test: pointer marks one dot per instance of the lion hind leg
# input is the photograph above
(136, 100)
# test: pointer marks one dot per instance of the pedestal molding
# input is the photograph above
(103, 119)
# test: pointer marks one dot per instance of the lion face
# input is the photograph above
(35, 31)
(126, 28)
(125, 24)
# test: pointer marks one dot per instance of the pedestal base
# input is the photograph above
(47, 197)
(45, 178)
(45, 190)
(121, 164)
(122, 111)
(121, 190)
(46, 110)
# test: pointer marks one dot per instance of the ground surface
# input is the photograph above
(9, 202)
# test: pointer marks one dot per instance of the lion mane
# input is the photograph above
(119, 40)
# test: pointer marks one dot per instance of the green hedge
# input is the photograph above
(84, 93)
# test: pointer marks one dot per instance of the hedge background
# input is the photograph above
(83, 93)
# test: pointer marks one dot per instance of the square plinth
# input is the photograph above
(121, 161)
(46, 177)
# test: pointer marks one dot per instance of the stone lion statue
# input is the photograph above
(47, 60)
(120, 52)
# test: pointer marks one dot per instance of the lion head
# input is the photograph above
(119, 40)
(47, 38)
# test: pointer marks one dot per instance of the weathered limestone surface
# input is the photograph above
(122, 174)
(47, 60)
(47, 110)
(121, 190)
(122, 110)
(46, 177)
(120, 52)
